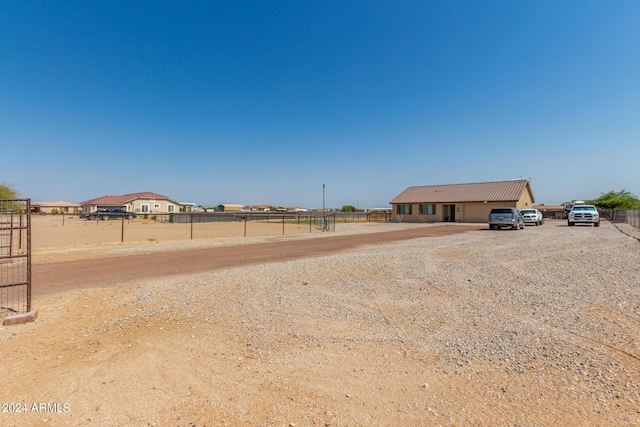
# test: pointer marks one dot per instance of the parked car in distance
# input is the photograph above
(505, 217)
(532, 216)
(106, 214)
(583, 214)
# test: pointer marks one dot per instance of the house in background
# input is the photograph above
(229, 207)
(556, 212)
(258, 208)
(142, 203)
(460, 202)
(59, 207)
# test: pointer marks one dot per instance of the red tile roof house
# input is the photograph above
(145, 202)
(460, 202)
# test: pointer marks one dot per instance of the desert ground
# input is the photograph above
(443, 325)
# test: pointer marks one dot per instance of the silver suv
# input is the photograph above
(583, 214)
(505, 217)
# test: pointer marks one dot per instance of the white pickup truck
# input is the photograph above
(569, 205)
(584, 214)
(532, 216)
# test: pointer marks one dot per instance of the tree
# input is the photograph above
(8, 192)
(616, 200)
(348, 208)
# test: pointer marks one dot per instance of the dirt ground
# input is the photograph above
(72, 232)
(137, 338)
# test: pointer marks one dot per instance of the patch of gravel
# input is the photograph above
(557, 303)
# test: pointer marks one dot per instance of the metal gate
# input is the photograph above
(15, 258)
(326, 222)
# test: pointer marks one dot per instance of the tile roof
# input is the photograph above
(497, 191)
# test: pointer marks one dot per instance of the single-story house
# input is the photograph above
(229, 207)
(59, 207)
(294, 209)
(143, 203)
(460, 202)
(258, 208)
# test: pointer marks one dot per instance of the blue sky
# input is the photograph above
(265, 101)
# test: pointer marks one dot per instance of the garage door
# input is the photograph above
(477, 213)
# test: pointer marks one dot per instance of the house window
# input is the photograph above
(171, 208)
(404, 210)
(156, 206)
(144, 208)
(429, 209)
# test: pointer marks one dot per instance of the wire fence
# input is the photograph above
(15, 256)
(324, 222)
(371, 216)
(70, 231)
(74, 230)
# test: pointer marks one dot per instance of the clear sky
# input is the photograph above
(258, 102)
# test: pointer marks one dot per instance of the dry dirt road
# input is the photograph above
(63, 276)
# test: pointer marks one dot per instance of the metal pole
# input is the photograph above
(28, 255)
(122, 238)
(323, 199)
(11, 226)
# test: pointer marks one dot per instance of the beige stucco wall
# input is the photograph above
(525, 201)
(477, 212)
(229, 207)
(163, 205)
(415, 217)
(464, 212)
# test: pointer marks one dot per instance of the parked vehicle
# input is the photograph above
(506, 217)
(584, 214)
(532, 216)
(569, 205)
(106, 214)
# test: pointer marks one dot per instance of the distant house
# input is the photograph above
(143, 203)
(259, 208)
(59, 207)
(229, 207)
(460, 202)
(551, 211)
(294, 209)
